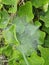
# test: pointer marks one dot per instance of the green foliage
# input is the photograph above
(45, 18)
(37, 61)
(4, 19)
(44, 54)
(26, 10)
(39, 3)
(24, 31)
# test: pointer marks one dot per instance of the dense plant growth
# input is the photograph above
(24, 32)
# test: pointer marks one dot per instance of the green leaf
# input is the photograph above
(10, 37)
(4, 20)
(41, 36)
(22, 62)
(26, 10)
(37, 23)
(44, 54)
(20, 23)
(45, 7)
(13, 4)
(35, 59)
(12, 9)
(8, 51)
(45, 18)
(16, 54)
(9, 2)
(47, 41)
(39, 3)
(45, 29)
(13, 62)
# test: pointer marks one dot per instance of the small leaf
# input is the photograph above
(8, 51)
(35, 59)
(45, 18)
(37, 23)
(45, 7)
(44, 54)
(12, 9)
(45, 29)
(26, 10)
(10, 35)
(39, 3)
(9, 2)
(47, 41)
(4, 20)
